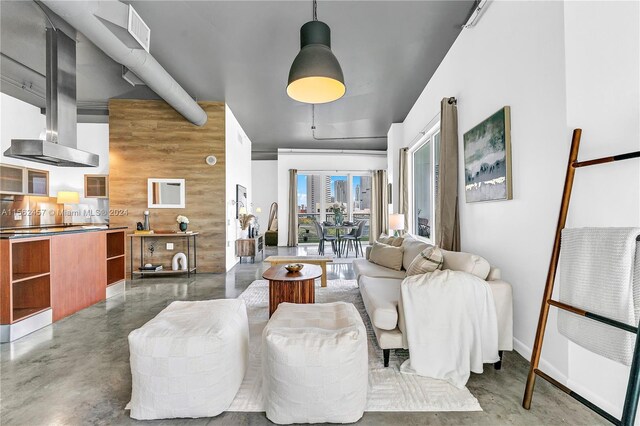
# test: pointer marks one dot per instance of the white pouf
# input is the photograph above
(315, 364)
(189, 361)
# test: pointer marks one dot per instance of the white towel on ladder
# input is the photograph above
(600, 273)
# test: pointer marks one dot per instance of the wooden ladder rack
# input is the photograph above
(633, 386)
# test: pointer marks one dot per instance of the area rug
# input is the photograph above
(389, 389)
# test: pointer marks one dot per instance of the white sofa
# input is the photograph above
(380, 290)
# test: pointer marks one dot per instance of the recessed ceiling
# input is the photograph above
(240, 52)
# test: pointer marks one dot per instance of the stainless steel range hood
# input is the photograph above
(59, 148)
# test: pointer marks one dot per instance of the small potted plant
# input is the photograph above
(183, 221)
(245, 221)
(338, 210)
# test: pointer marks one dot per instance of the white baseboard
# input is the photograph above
(11, 332)
(544, 365)
(550, 370)
(115, 289)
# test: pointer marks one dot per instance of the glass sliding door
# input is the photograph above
(361, 201)
(319, 192)
(309, 205)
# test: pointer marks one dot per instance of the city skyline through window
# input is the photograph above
(317, 193)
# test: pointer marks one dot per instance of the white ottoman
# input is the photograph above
(189, 361)
(315, 364)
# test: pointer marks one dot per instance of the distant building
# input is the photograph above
(364, 196)
(314, 191)
(341, 191)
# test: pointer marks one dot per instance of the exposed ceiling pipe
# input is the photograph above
(94, 20)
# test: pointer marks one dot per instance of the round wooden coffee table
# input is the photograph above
(292, 287)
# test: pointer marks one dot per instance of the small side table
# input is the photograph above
(292, 287)
(250, 247)
(192, 265)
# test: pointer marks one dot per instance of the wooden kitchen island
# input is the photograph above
(48, 274)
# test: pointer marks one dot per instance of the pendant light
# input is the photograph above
(315, 76)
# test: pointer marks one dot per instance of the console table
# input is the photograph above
(250, 247)
(191, 241)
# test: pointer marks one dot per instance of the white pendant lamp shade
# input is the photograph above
(315, 76)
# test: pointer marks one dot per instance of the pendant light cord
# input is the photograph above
(315, 10)
(313, 130)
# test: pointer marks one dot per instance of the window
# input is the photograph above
(361, 201)
(424, 182)
(309, 205)
(318, 192)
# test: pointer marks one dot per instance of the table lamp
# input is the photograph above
(396, 222)
(64, 198)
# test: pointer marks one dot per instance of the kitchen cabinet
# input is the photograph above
(96, 186)
(37, 182)
(11, 179)
(18, 180)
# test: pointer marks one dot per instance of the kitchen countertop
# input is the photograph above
(54, 230)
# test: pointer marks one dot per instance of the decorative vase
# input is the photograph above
(183, 227)
(244, 233)
(339, 218)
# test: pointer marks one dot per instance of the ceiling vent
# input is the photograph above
(138, 29)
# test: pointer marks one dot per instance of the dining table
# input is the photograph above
(338, 228)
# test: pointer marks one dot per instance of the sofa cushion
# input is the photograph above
(390, 240)
(380, 297)
(386, 255)
(412, 247)
(466, 262)
(365, 268)
(428, 260)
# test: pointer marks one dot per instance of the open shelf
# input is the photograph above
(30, 259)
(115, 244)
(24, 313)
(164, 272)
(115, 270)
(20, 277)
(30, 296)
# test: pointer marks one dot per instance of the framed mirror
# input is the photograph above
(165, 193)
(241, 201)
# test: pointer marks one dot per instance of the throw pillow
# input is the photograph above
(386, 255)
(390, 240)
(428, 260)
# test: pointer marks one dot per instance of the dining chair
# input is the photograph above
(354, 237)
(323, 236)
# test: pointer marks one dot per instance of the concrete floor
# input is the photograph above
(77, 370)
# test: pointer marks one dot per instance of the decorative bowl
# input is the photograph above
(294, 267)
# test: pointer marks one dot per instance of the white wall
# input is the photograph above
(558, 66)
(20, 120)
(318, 160)
(238, 172)
(264, 188)
(602, 86)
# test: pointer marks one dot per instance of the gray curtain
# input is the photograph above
(447, 219)
(379, 205)
(403, 186)
(292, 238)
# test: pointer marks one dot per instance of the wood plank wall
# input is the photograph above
(149, 139)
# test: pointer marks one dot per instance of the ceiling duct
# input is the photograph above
(115, 28)
(59, 147)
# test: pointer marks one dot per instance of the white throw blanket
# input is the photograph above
(597, 274)
(451, 325)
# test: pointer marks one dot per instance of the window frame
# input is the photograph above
(350, 174)
(426, 139)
